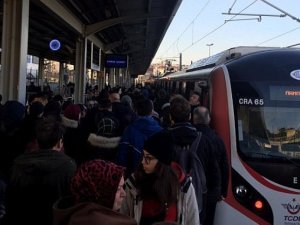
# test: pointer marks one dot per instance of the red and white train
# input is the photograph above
(254, 100)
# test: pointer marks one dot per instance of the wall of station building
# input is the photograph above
(60, 82)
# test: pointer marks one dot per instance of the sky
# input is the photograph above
(199, 23)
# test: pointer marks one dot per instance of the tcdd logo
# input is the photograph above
(292, 207)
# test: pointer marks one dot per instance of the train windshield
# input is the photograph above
(268, 129)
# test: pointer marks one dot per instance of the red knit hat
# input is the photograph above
(72, 112)
(97, 181)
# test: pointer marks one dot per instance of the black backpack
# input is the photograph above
(186, 156)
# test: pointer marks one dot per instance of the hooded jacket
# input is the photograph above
(94, 187)
(103, 147)
(74, 140)
(132, 142)
(187, 208)
(67, 213)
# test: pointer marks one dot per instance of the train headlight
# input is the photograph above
(258, 204)
(241, 191)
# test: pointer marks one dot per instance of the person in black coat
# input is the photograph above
(184, 133)
(75, 137)
(39, 178)
(201, 121)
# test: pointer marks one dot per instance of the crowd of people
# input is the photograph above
(112, 162)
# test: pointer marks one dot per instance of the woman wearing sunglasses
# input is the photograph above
(159, 190)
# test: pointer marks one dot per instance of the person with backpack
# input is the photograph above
(134, 136)
(194, 153)
(201, 121)
(159, 190)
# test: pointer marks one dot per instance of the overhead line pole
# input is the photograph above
(293, 17)
(253, 14)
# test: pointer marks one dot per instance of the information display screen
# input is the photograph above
(285, 93)
(115, 61)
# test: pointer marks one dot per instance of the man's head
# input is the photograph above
(194, 99)
(180, 109)
(144, 107)
(201, 115)
(114, 97)
(49, 134)
(104, 104)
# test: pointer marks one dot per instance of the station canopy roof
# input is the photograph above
(132, 27)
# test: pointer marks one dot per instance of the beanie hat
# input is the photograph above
(104, 103)
(13, 111)
(127, 101)
(161, 146)
(72, 112)
(36, 108)
(107, 127)
(97, 181)
(52, 108)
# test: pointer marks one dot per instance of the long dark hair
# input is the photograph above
(162, 183)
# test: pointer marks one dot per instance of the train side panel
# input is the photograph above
(223, 122)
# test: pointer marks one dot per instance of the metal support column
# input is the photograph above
(80, 70)
(117, 72)
(14, 50)
(114, 81)
(40, 72)
(101, 80)
(110, 77)
(61, 77)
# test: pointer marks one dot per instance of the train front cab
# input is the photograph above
(255, 107)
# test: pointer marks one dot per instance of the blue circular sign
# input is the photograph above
(54, 45)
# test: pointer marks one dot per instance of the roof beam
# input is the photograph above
(99, 26)
(95, 41)
(120, 42)
(65, 14)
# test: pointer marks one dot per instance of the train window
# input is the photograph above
(268, 136)
(169, 86)
(189, 88)
(180, 87)
(198, 87)
(183, 88)
(174, 86)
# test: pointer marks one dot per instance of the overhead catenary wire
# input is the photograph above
(187, 27)
(280, 35)
(217, 28)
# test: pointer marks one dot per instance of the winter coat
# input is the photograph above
(132, 142)
(187, 208)
(74, 140)
(220, 152)
(101, 147)
(38, 179)
(184, 134)
(67, 213)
